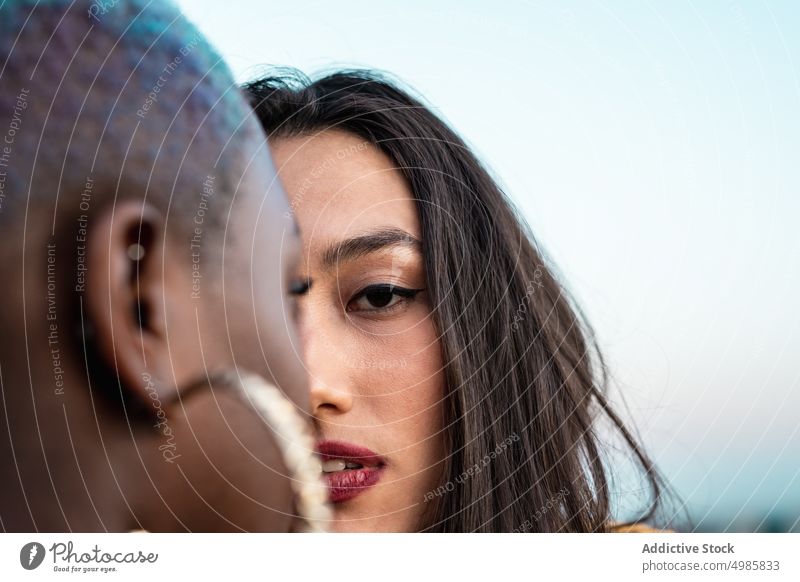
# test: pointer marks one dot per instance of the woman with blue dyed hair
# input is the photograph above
(141, 349)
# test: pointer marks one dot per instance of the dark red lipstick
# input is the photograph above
(356, 469)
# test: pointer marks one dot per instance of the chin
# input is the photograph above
(348, 520)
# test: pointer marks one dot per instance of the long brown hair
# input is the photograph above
(525, 380)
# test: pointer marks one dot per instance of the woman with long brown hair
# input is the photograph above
(455, 385)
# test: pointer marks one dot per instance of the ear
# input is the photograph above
(126, 294)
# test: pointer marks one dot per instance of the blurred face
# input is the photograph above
(261, 282)
(371, 347)
(247, 319)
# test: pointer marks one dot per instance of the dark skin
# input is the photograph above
(111, 468)
(122, 423)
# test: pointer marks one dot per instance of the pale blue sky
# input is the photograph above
(653, 147)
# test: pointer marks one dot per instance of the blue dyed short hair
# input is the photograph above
(125, 91)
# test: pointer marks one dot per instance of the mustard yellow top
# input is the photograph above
(634, 528)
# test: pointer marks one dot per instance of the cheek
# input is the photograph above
(266, 340)
(283, 352)
(406, 384)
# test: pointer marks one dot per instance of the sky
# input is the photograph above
(653, 148)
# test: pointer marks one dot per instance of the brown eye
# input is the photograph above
(380, 297)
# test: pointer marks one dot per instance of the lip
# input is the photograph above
(346, 485)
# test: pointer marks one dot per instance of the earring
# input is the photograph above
(296, 445)
(136, 252)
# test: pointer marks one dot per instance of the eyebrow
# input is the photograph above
(364, 244)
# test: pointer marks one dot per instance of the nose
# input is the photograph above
(326, 400)
(329, 381)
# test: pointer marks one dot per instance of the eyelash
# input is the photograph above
(406, 296)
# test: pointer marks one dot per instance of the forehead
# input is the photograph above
(341, 186)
